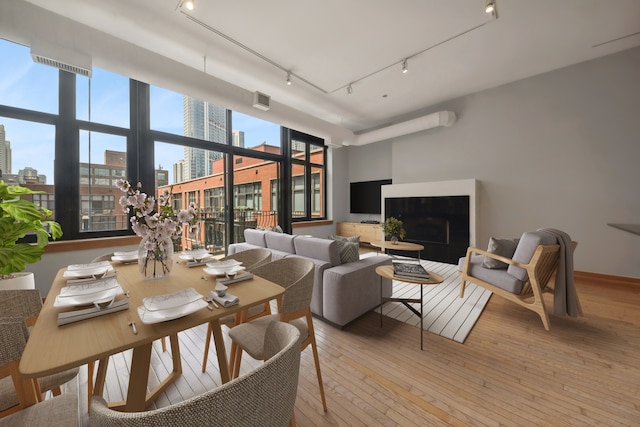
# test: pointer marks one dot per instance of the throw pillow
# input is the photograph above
(353, 239)
(348, 251)
(502, 247)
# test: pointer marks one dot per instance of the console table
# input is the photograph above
(367, 232)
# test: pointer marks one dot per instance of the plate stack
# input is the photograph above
(161, 308)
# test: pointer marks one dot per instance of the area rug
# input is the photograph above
(445, 313)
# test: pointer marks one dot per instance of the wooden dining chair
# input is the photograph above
(263, 397)
(25, 304)
(250, 259)
(295, 274)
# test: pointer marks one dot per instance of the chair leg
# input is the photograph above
(292, 420)
(207, 343)
(235, 373)
(164, 345)
(463, 283)
(312, 336)
(56, 391)
(90, 368)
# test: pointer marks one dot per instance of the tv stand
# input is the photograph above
(368, 232)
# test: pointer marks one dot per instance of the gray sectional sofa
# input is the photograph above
(341, 292)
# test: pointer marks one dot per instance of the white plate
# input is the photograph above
(223, 271)
(228, 263)
(125, 258)
(89, 288)
(87, 299)
(88, 266)
(149, 316)
(89, 272)
(172, 300)
(126, 253)
(195, 254)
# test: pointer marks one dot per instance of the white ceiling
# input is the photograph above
(454, 47)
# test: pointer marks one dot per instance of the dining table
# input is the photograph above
(52, 348)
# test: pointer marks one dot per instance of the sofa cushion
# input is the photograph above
(527, 245)
(255, 237)
(502, 247)
(318, 249)
(280, 241)
(497, 277)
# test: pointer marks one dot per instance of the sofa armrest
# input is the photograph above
(352, 289)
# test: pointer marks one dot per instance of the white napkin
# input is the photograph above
(226, 301)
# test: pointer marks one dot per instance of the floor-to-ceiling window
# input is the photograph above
(72, 136)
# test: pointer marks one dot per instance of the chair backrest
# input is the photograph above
(265, 396)
(13, 338)
(23, 303)
(295, 274)
(251, 258)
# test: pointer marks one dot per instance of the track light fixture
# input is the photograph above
(404, 67)
(491, 8)
(349, 89)
(289, 79)
(188, 4)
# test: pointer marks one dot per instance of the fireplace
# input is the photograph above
(441, 216)
(440, 224)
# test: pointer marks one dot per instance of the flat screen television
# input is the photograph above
(366, 196)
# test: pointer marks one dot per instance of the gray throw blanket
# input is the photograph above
(565, 300)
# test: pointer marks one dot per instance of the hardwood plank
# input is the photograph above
(509, 371)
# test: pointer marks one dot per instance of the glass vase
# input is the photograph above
(394, 240)
(155, 257)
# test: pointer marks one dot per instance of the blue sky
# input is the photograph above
(32, 86)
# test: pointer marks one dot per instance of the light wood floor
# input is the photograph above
(509, 371)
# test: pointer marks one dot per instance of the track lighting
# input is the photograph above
(349, 89)
(288, 79)
(188, 4)
(404, 67)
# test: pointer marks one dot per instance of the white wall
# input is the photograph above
(560, 150)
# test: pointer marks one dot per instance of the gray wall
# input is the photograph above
(556, 150)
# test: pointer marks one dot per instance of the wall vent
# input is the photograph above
(261, 101)
(61, 58)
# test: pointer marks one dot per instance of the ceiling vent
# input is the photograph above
(61, 58)
(261, 101)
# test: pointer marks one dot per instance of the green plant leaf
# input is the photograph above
(17, 257)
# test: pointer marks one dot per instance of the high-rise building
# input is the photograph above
(208, 122)
(237, 138)
(5, 153)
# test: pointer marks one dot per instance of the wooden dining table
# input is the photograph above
(52, 348)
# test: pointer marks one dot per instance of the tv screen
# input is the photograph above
(366, 196)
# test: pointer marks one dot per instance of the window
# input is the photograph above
(308, 157)
(186, 146)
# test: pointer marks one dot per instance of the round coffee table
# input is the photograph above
(386, 271)
(398, 246)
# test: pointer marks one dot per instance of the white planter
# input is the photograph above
(22, 280)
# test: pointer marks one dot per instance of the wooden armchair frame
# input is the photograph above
(540, 269)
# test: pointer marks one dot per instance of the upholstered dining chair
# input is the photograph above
(263, 397)
(295, 274)
(250, 259)
(25, 304)
(25, 411)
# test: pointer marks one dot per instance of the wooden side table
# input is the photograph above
(399, 246)
(386, 271)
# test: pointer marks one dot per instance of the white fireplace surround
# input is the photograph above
(462, 187)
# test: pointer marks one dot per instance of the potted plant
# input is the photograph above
(393, 227)
(19, 217)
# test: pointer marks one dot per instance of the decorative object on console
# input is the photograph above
(393, 227)
(157, 228)
(17, 218)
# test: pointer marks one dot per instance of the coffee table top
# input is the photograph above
(386, 271)
(399, 246)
